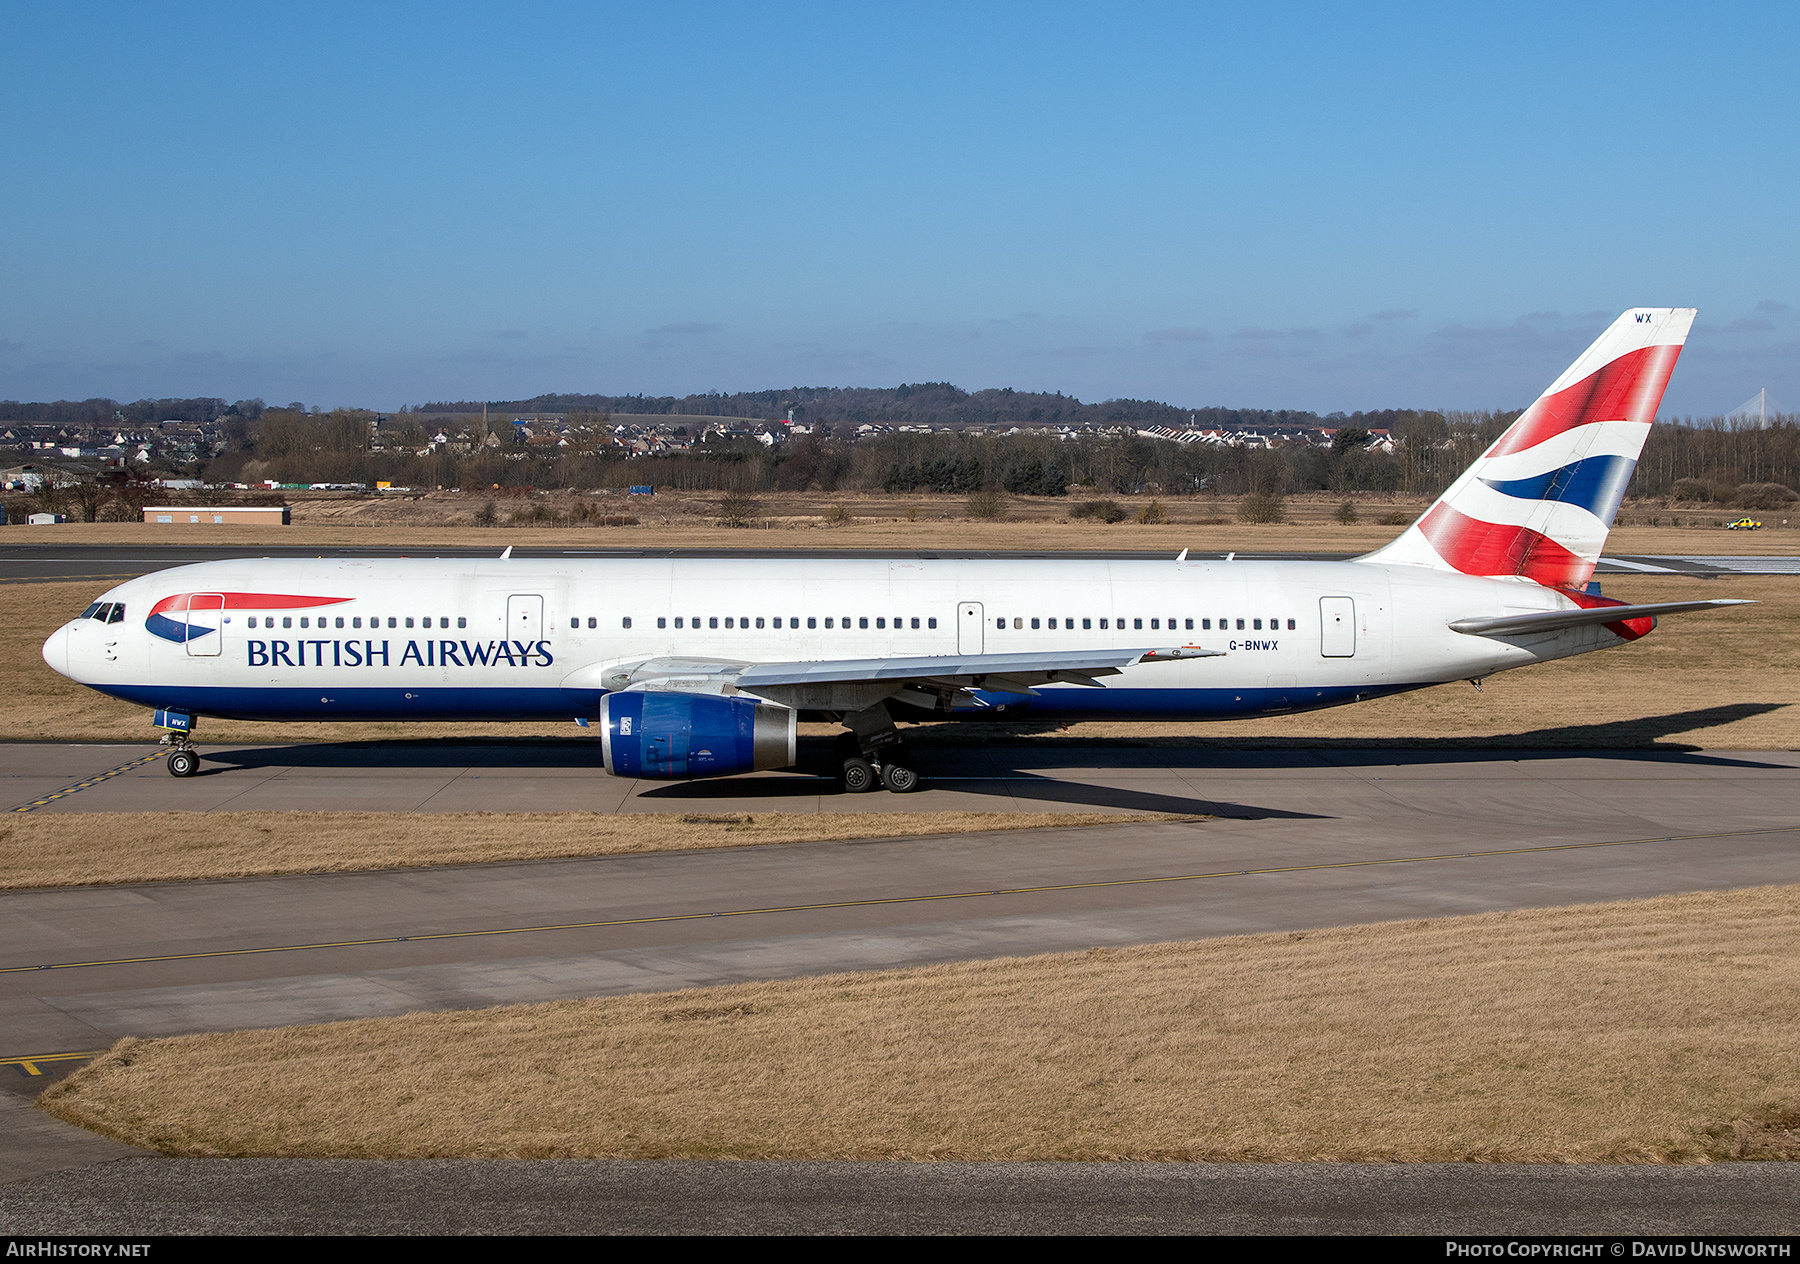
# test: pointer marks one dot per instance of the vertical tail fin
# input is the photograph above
(1538, 504)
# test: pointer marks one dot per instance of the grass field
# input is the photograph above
(82, 848)
(881, 522)
(1725, 680)
(1650, 1031)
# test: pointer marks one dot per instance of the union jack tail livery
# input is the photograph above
(1538, 504)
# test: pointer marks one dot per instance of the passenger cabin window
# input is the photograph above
(625, 622)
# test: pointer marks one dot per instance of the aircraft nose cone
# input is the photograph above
(56, 651)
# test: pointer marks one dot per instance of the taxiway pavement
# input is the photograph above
(1297, 839)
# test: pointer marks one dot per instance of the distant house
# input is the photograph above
(218, 515)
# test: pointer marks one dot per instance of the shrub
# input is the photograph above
(739, 509)
(1262, 507)
(1765, 496)
(487, 515)
(1153, 513)
(1347, 515)
(1691, 489)
(838, 516)
(1104, 510)
(1399, 518)
(987, 504)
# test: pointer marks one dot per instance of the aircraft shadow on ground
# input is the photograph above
(1642, 738)
(1014, 752)
(1015, 786)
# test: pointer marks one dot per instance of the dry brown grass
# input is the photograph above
(82, 848)
(877, 521)
(1735, 675)
(1651, 1031)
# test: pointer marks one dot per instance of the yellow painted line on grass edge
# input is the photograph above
(894, 899)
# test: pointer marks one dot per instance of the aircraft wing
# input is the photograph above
(942, 673)
(965, 670)
(1557, 620)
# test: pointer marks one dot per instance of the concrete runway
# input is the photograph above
(114, 563)
(1301, 838)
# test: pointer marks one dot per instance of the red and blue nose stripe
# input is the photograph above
(165, 619)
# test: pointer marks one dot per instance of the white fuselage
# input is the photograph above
(419, 639)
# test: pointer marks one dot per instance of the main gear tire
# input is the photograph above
(899, 778)
(858, 776)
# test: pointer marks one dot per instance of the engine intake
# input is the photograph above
(679, 735)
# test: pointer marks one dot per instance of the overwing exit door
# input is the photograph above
(970, 622)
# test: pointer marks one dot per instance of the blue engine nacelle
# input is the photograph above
(693, 735)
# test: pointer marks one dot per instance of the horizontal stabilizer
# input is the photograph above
(1557, 620)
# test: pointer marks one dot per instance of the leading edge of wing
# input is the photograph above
(963, 667)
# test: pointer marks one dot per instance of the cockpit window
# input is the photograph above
(118, 613)
(91, 611)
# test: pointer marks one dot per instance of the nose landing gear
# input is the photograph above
(184, 761)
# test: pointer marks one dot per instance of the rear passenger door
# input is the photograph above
(1337, 627)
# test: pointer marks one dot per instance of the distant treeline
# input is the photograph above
(1430, 449)
(921, 403)
(70, 412)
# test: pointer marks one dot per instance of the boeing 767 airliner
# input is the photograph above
(702, 667)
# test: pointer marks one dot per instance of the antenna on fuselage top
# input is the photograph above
(1181, 556)
(506, 553)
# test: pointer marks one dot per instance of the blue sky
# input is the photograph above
(1309, 205)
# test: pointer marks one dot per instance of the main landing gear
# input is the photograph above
(872, 754)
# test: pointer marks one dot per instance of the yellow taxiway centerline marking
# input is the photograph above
(895, 899)
(29, 1063)
(79, 786)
